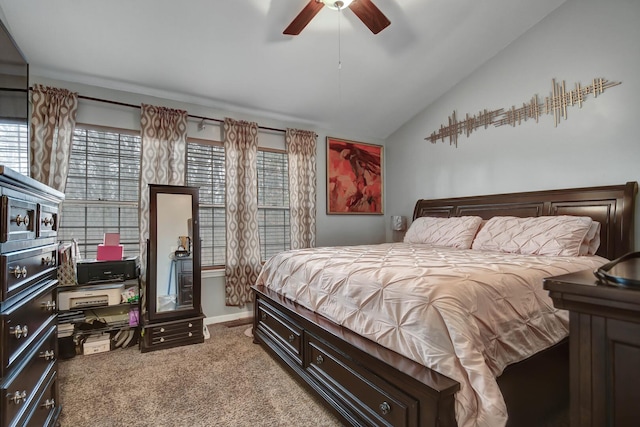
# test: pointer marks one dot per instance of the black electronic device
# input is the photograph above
(92, 271)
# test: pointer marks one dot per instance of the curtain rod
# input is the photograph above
(124, 104)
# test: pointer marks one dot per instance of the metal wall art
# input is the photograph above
(555, 104)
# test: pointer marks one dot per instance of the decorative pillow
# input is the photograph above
(544, 235)
(591, 242)
(455, 232)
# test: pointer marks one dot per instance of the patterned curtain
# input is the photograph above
(53, 120)
(164, 145)
(301, 150)
(242, 263)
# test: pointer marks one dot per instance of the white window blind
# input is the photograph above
(102, 190)
(14, 146)
(206, 169)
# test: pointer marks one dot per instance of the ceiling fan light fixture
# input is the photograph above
(337, 5)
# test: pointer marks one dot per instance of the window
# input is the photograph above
(206, 169)
(102, 190)
(14, 146)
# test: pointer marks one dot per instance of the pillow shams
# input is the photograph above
(455, 232)
(561, 235)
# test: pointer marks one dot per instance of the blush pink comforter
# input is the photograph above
(464, 313)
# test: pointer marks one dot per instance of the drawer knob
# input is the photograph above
(190, 324)
(319, 359)
(22, 220)
(291, 338)
(190, 334)
(161, 329)
(161, 339)
(49, 305)
(385, 408)
(18, 331)
(49, 403)
(19, 272)
(263, 316)
(18, 397)
(48, 221)
(47, 355)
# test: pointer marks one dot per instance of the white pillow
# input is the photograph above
(591, 241)
(455, 232)
(561, 235)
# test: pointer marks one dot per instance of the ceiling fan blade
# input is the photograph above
(303, 18)
(370, 15)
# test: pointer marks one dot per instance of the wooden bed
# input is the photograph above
(360, 381)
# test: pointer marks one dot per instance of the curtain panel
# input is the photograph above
(243, 240)
(53, 121)
(301, 151)
(163, 160)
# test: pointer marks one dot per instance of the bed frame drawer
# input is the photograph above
(375, 400)
(284, 331)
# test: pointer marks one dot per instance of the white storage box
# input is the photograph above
(96, 344)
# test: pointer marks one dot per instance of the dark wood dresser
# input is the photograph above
(28, 312)
(604, 347)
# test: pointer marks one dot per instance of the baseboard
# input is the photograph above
(227, 317)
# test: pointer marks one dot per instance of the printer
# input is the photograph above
(95, 296)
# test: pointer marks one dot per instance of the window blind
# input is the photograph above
(14, 146)
(102, 190)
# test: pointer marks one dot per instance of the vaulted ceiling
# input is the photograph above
(232, 55)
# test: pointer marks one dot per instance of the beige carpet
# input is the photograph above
(227, 381)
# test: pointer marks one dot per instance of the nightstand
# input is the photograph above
(604, 337)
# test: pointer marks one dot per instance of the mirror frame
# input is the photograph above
(152, 255)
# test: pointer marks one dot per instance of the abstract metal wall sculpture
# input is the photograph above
(555, 104)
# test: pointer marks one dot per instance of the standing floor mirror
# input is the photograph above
(172, 314)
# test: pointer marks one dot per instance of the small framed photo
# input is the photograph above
(354, 177)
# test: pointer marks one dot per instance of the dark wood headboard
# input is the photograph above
(613, 206)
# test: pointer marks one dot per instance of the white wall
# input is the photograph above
(331, 229)
(597, 145)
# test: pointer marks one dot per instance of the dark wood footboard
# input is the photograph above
(361, 382)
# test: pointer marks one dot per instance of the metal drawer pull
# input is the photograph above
(161, 339)
(190, 324)
(48, 261)
(291, 338)
(18, 331)
(48, 221)
(49, 403)
(319, 360)
(19, 272)
(22, 220)
(190, 334)
(263, 316)
(18, 397)
(161, 329)
(385, 408)
(49, 305)
(47, 355)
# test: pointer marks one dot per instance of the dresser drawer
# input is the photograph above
(47, 223)
(18, 219)
(170, 334)
(21, 269)
(45, 410)
(286, 333)
(23, 322)
(20, 388)
(376, 401)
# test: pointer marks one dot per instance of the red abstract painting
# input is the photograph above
(354, 177)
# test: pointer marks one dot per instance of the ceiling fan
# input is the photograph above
(368, 13)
